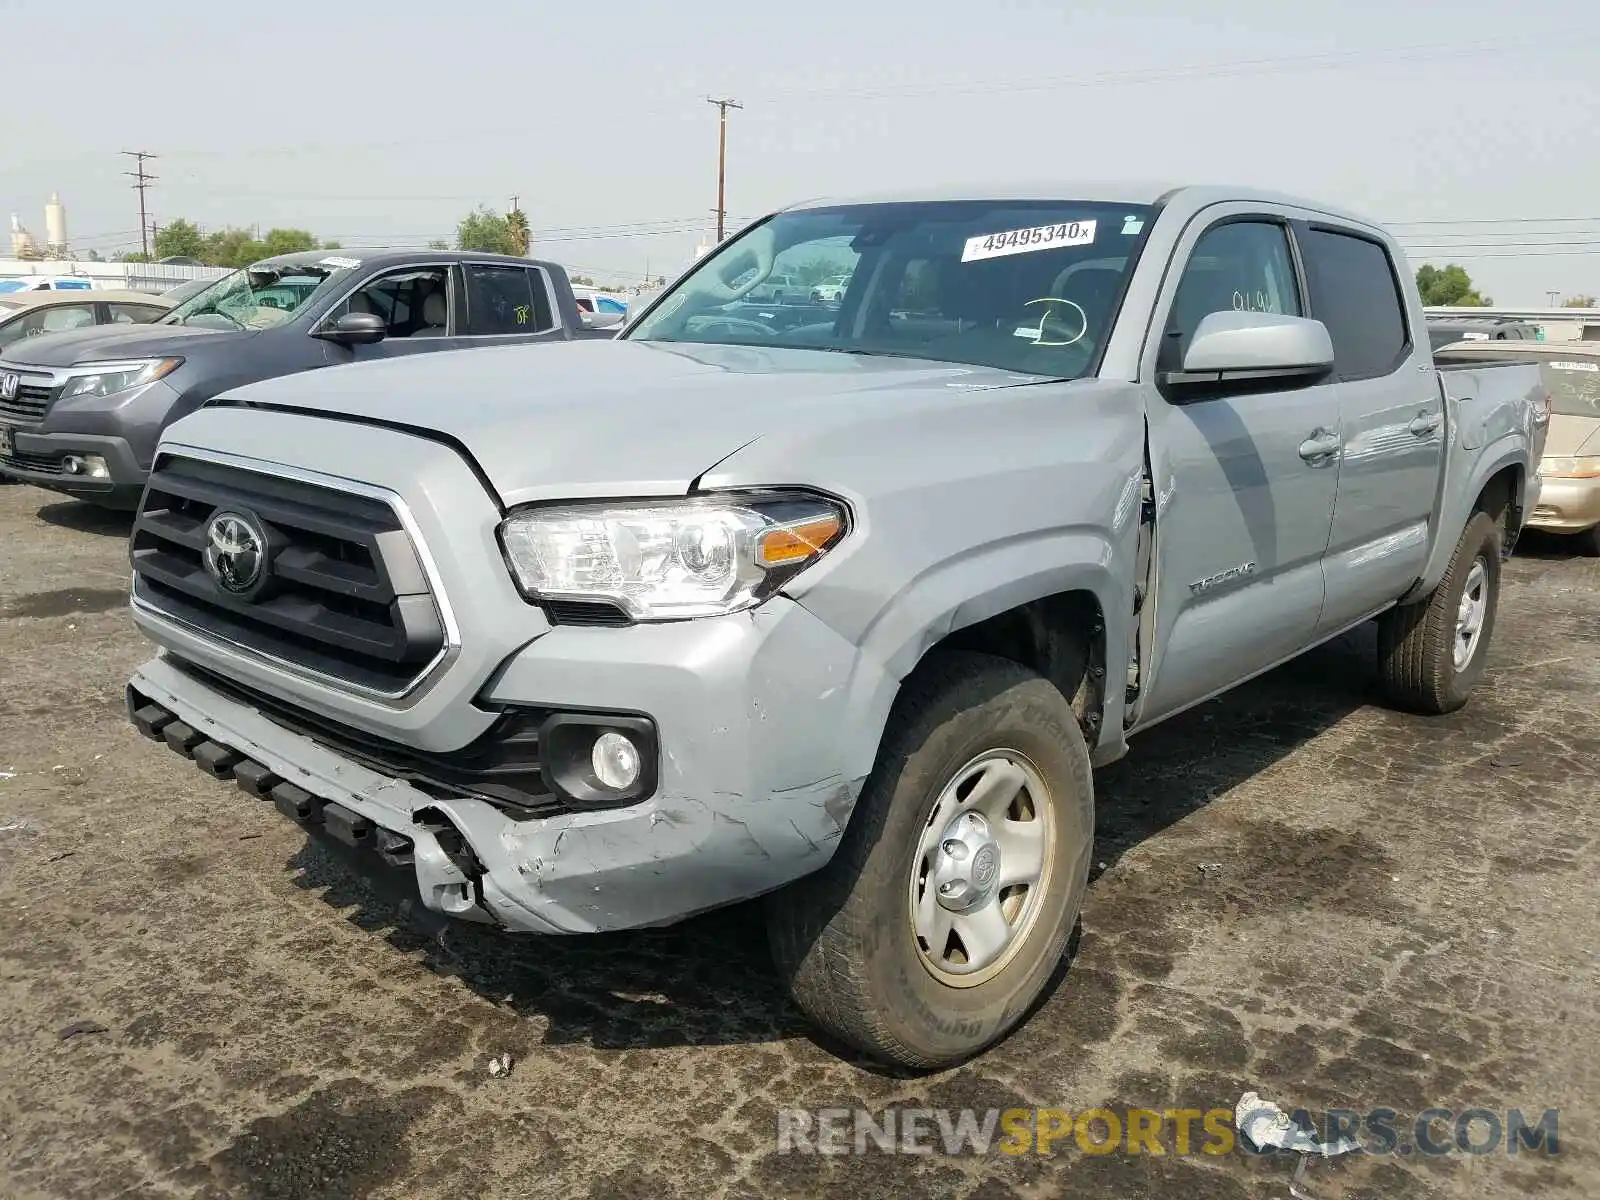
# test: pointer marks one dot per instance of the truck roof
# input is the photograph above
(1192, 196)
(392, 257)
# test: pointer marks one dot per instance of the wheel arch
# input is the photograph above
(1058, 606)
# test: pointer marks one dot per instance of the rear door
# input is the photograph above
(1244, 476)
(1391, 417)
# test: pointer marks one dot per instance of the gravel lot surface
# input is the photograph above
(1300, 894)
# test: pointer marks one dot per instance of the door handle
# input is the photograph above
(1319, 446)
(1425, 423)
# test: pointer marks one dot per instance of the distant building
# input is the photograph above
(22, 244)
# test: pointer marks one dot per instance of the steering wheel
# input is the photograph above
(730, 325)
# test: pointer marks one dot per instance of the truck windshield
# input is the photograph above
(1574, 387)
(255, 298)
(1027, 286)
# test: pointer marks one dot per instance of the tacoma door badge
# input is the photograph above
(1212, 582)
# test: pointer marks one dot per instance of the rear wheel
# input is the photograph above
(948, 906)
(1431, 653)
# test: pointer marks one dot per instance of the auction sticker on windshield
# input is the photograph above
(1024, 241)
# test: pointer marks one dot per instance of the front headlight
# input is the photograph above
(666, 560)
(1570, 468)
(105, 379)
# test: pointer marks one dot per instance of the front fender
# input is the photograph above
(971, 587)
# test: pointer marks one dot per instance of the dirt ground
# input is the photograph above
(1299, 893)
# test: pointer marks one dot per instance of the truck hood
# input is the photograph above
(579, 419)
(106, 343)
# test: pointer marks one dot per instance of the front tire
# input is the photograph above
(947, 908)
(1431, 653)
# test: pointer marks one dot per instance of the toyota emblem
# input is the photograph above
(236, 552)
(9, 383)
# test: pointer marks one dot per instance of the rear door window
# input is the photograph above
(1354, 293)
(1574, 387)
(503, 299)
(135, 314)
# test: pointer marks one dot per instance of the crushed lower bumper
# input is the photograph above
(649, 864)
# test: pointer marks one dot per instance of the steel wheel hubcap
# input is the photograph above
(1471, 613)
(981, 868)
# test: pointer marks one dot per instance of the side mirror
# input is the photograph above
(355, 329)
(1229, 346)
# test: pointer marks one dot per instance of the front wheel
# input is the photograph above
(948, 906)
(1431, 653)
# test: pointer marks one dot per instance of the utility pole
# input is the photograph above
(722, 162)
(141, 180)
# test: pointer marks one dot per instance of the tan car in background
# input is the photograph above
(1569, 471)
(31, 314)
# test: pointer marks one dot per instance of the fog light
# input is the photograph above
(615, 760)
(91, 465)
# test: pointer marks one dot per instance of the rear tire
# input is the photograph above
(971, 741)
(1431, 652)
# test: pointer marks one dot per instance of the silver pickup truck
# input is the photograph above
(843, 613)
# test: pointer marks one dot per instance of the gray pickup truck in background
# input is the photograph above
(841, 613)
(81, 412)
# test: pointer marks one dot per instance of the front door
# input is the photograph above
(415, 303)
(1244, 480)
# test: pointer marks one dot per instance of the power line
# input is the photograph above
(1454, 253)
(1495, 221)
(142, 180)
(1138, 75)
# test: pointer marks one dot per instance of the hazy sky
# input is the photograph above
(383, 123)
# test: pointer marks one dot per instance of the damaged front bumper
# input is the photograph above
(726, 823)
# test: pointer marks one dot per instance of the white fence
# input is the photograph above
(138, 277)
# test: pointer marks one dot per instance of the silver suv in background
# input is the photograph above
(839, 611)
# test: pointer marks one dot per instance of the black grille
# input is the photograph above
(501, 766)
(586, 612)
(29, 404)
(344, 593)
(43, 464)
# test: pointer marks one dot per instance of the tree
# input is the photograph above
(179, 238)
(582, 281)
(287, 241)
(333, 245)
(232, 248)
(487, 232)
(517, 222)
(92, 256)
(132, 256)
(1580, 302)
(438, 244)
(1448, 288)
